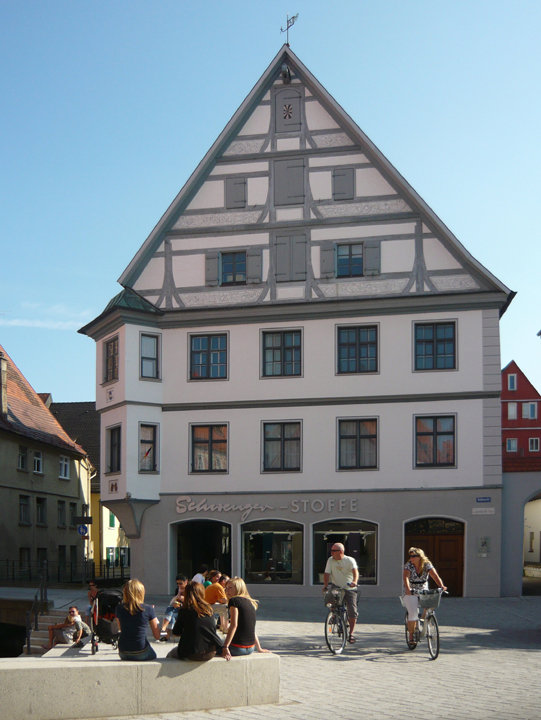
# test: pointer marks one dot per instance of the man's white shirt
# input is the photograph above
(341, 571)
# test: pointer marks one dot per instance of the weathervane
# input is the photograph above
(290, 22)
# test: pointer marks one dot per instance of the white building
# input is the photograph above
(303, 354)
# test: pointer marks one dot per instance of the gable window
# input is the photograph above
(41, 511)
(208, 357)
(24, 509)
(435, 441)
(209, 448)
(38, 462)
(111, 360)
(61, 513)
(435, 346)
(234, 268)
(357, 444)
(357, 349)
(349, 260)
(511, 445)
(113, 449)
(281, 446)
(287, 110)
(149, 356)
(343, 184)
(22, 463)
(64, 472)
(529, 410)
(290, 258)
(512, 381)
(512, 411)
(289, 182)
(533, 444)
(147, 448)
(282, 353)
(235, 192)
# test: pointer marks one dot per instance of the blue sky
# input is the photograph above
(108, 106)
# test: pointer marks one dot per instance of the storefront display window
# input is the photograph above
(360, 539)
(272, 552)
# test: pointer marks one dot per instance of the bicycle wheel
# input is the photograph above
(433, 637)
(335, 632)
(411, 645)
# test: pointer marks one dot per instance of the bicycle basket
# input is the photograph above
(429, 598)
(333, 597)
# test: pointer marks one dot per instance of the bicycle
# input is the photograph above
(427, 626)
(337, 623)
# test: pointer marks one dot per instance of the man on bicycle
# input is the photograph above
(341, 570)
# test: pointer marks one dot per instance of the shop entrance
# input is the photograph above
(442, 541)
(203, 542)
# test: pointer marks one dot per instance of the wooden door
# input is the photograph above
(447, 555)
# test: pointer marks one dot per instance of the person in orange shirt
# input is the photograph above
(215, 596)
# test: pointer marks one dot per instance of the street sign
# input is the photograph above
(82, 530)
(84, 519)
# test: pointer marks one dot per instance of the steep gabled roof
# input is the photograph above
(285, 55)
(27, 415)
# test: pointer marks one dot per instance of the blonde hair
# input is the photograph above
(241, 590)
(133, 595)
(194, 598)
(424, 560)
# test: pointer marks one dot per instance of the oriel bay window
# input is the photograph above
(359, 537)
(111, 360)
(435, 346)
(209, 448)
(357, 444)
(272, 552)
(435, 441)
(149, 356)
(281, 446)
(113, 449)
(357, 349)
(208, 357)
(148, 448)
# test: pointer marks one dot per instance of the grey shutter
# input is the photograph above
(287, 105)
(235, 192)
(253, 265)
(283, 265)
(371, 257)
(289, 181)
(326, 259)
(343, 184)
(298, 257)
(211, 268)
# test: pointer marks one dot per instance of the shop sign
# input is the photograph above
(186, 504)
(482, 511)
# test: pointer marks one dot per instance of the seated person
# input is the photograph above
(215, 596)
(73, 629)
(171, 611)
(92, 592)
(134, 617)
(196, 627)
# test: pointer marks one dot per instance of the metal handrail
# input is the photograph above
(37, 608)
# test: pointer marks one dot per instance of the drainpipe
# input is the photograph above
(3, 386)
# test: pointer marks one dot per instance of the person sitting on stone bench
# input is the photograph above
(196, 627)
(171, 611)
(215, 596)
(73, 629)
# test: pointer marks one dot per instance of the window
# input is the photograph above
(234, 268)
(209, 448)
(23, 458)
(343, 184)
(61, 513)
(112, 520)
(512, 382)
(41, 557)
(147, 448)
(24, 509)
(435, 441)
(349, 260)
(149, 356)
(534, 444)
(288, 110)
(512, 411)
(357, 444)
(41, 511)
(113, 447)
(529, 410)
(357, 349)
(64, 471)
(73, 514)
(111, 360)
(289, 182)
(290, 258)
(272, 551)
(359, 537)
(73, 556)
(282, 353)
(435, 346)
(62, 557)
(281, 446)
(38, 461)
(235, 192)
(532, 535)
(24, 559)
(208, 357)
(511, 445)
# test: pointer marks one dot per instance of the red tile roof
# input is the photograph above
(521, 464)
(27, 414)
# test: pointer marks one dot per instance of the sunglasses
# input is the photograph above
(415, 556)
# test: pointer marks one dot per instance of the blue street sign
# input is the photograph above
(483, 499)
(82, 530)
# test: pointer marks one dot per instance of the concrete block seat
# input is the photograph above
(71, 684)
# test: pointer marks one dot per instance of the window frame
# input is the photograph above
(531, 443)
(209, 351)
(358, 343)
(350, 274)
(512, 382)
(434, 356)
(435, 434)
(72, 510)
(157, 360)
(111, 433)
(211, 442)
(41, 511)
(64, 469)
(528, 407)
(61, 514)
(357, 420)
(22, 461)
(111, 370)
(234, 283)
(508, 447)
(512, 411)
(153, 443)
(38, 462)
(283, 361)
(293, 421)
(25, 517)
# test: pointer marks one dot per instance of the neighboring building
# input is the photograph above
(44, 485)
(302, 354)
(109, 544)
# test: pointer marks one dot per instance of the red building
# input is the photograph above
(521, 425)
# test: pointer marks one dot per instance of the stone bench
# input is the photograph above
(67, 684)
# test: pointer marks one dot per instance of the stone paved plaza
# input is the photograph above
(488, 669)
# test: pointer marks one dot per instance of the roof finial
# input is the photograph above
(290, 22)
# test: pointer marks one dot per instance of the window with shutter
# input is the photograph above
(211, 268)
(372, 257)
(290, 258)
(288, 111)
(235, 192)
(289, 182)
(343, 184)
(254, 262)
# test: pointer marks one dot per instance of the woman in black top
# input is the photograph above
(133, 617)
(196, 627)
(241, 637)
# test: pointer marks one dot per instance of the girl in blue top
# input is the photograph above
(133, 617)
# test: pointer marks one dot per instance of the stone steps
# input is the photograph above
(40, 637)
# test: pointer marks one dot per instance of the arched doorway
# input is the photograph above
(531, 581)
(203, 542)
(442, 540)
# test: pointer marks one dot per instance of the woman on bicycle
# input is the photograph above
(415, 576)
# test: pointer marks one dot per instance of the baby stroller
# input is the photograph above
(103, 622)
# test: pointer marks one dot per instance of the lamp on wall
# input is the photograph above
(285, 74)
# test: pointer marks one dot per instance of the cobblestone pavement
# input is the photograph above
(488, 667)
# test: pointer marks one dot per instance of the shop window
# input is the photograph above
(360, 539)
(272, 552)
